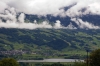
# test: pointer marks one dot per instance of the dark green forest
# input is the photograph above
(50, 42)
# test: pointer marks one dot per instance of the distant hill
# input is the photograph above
(55, 39)
(66, 43)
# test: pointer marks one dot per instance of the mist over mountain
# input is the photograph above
(70, 14)
(56, 24)
(93, 20)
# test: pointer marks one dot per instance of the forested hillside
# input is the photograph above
(56, 39)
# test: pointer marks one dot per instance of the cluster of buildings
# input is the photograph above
(13, 52)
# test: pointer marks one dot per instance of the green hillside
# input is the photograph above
(49, 41)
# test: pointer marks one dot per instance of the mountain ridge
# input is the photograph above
(50, 37)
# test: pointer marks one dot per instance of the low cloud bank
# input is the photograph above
(84, 25)
(9, 20)
(10, 9)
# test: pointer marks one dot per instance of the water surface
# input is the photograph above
(52, 60)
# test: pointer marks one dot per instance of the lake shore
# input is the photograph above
(53, 60)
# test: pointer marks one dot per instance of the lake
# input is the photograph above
(52, 60)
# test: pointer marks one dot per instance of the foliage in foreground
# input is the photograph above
(54, 64)
(8, 62)
(79, 64)
(95, 58)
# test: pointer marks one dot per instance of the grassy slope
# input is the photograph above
(50, 41)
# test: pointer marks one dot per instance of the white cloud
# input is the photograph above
(11, 21)
(10, 8)
(81, 24)
(71, 26)
(53, 7)
(3, 6)
(58, 25)
(21, 18)
(93, 8)
(39, 7)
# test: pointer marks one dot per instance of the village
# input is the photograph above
(13, 52)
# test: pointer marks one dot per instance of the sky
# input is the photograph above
(10, 8)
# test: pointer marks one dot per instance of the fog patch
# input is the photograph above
(84, 25)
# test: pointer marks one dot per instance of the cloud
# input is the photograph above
(53, 7)
(71, 26)
(21, 18)
(58, 25)
(38, 7)
(93, 8)
(84, 7)
(3, 6)
(9, 20)
(84, 25)
(10, 9)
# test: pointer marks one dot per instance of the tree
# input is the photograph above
(54, 64)
(9, 62)
(94, 59)
(79, 64)
(57, 64)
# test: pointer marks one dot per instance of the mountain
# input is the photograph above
(52, 42)
(56, 39)
(65, 21)
(49, 28)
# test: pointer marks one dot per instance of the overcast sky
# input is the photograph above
(9, 9)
